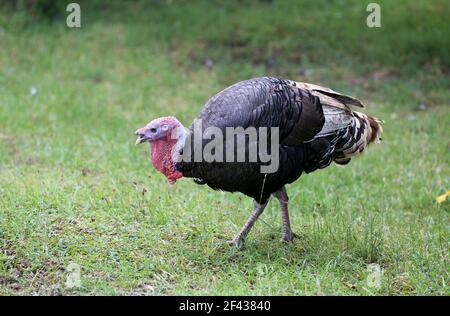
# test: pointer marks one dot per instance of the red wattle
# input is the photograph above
(161, 158)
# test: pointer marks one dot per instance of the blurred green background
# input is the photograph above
(75, 189)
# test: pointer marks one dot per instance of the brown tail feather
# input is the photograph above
(377, 129)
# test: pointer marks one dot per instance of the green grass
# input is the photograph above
(75, 189)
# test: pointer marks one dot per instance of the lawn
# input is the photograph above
(76, 191)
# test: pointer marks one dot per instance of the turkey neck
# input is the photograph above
(165, 152)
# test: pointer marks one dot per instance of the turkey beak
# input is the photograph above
(142, 137)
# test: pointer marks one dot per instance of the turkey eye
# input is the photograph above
(153, 130)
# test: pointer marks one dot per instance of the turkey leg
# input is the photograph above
(282, 197)
(258, 209)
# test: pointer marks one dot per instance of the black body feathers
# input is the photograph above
(316, 127)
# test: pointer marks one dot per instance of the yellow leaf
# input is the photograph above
(442, 198)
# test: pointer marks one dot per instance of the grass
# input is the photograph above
(75, 189)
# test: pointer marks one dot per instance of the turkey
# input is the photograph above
(314, 126)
